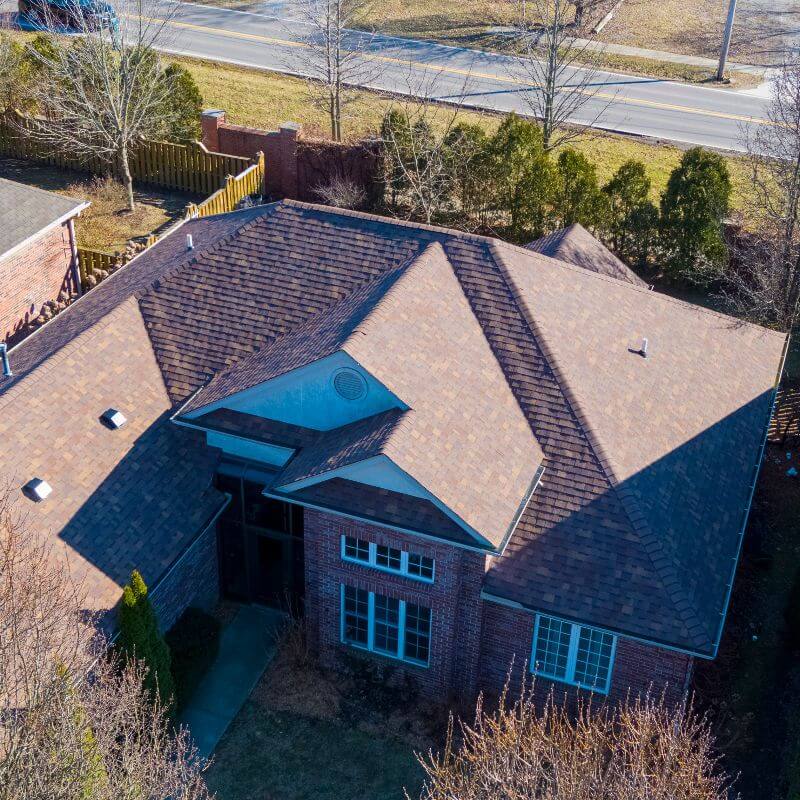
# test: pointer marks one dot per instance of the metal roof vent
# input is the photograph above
(37, 489)
(5, 361)
(113, 419)
(349, 384)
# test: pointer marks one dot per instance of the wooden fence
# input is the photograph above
(236, 187)
(184, 168)
(94, 264)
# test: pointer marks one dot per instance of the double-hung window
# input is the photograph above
(572, 653)
(388, 559)
(386, 625)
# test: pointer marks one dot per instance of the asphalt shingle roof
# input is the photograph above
(648, 466)
(26, 210)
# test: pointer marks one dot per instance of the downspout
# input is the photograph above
(73, 244)
(756, 471)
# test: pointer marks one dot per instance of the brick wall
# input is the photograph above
(32, 276)
(194, 581)
(508, 637)
(454, 599)
(296, 166)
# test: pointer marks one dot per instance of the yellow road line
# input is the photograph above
(462, 72)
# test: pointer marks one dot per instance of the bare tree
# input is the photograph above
(107, 88)
(74, 724)
(423, 149)
(763, 282)
(334, 54)
(640, 749)
(562, 70)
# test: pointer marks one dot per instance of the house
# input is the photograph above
(38, 252)
(451, 452)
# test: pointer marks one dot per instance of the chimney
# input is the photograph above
(4, 359)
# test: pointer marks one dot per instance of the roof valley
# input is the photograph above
(660, 560)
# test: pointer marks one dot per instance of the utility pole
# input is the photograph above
(726, 41)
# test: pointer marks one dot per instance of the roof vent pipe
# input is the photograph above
(643, 351)
(4, 358)
(189, 242)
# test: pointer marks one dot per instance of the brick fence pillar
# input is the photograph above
(210, 122)
(289, 133)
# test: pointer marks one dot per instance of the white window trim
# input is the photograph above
(401, 632)
(572, 655)
(373, 562)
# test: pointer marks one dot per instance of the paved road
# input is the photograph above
(629, 104)
(644, 106)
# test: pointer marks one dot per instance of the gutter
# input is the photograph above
(746, 514)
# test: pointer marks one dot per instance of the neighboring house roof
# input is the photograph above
(26, 211)
(648, 463)
(575, 245)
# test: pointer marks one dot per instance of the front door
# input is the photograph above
(260, 547)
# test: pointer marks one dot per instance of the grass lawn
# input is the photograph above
(753, 688)
(106, 225)
(306, 735)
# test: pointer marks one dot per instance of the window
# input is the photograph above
(386, 625)
(355, 549)
(389, 559)
(355, 615)
(572, 653)
(420, 566)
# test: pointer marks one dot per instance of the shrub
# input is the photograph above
(194, 643)
(577, 196)
(632, 220)
(139, 638)
(693, 207)
(186, 104)
(521, 177)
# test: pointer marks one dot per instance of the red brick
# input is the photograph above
(33, 275)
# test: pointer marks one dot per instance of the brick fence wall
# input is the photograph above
(295, 166)
(34, 275)
(454, 599)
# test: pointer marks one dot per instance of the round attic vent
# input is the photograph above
(349, 384)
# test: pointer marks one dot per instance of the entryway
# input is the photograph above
(260, 544)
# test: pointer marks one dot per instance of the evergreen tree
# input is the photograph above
(632, 219)
(578, 197)
(521, 177)
(140, 638)
(693, 208)
(465, 151)
(186, 102)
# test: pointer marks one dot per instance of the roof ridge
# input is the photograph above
(638, 522)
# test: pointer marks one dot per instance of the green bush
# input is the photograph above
(632, 221)
(185, 104)
(578, 197)
(522, 178)
(139, 638)
(194, 643)
(693, 208)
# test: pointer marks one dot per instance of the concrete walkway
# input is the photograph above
(246, 647)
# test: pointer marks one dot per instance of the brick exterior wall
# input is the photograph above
(32, 276)
(454, 599)
(638, 668)
(194, 581)
(474, 642)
